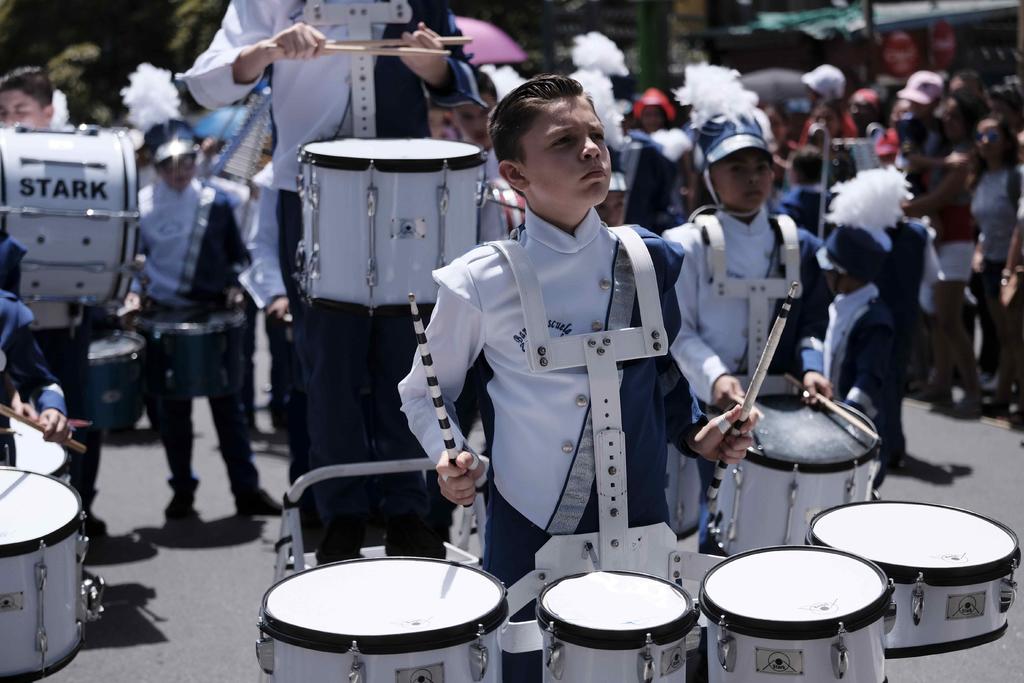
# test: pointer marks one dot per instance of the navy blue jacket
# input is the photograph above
(803, 205)
(865, 365)
(899, 280)
(24, 361)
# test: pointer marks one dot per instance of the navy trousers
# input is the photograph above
(280, 370)
(232, 434)
(340, 354)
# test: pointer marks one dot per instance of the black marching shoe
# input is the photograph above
(409, 536)
(180, 506)
(95, 527)
(257, 503)
(342, 540)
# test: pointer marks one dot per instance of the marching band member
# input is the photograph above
(550, 144)
(61, 330)
(311, 94)
(724, 324)
(859, 340)
(171, 211)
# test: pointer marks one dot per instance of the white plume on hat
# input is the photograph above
(715, 91)
(595, 51)
(60, 117)
(599, 87)
(673, 141)
(872, 200)
(151, 97)
(505, 78)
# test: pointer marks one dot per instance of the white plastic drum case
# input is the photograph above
(71, 198)
(815, 614)
(387, 620)
(803, 461)
(953, 570)
(43, 600)
(615, 627)
(380, 215)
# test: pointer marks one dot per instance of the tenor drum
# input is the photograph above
(953, 570)
(70, 197)
(193, 352)
(682, 491)
(803, 461)
(32, 454)
(40, 575)
(388, 620)
(380, 215)
(801, 611)
(615, 627)
(114, 397)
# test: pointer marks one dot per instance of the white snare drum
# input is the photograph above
(682, 491)
(803, 461)
(40, 574)
(379, 215)
(33, 454)
(816, 613)
(70, 198)
(953, 570)
(615, 627)
(389, 620)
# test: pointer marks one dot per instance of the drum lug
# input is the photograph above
(726, 647)
(892, 611)
(478, 655)
(645, 663)
(92, 596)
(1008, 591)
(554, 656)
(840, 655)
(737, 475)
(265, 653)
(357, 674)
(851, 484)
(443, 197)
(917, 599)
(794, 486)
(42, 643)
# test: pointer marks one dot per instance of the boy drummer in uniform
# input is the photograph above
(550, 144)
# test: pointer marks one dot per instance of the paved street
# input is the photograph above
(183, 598)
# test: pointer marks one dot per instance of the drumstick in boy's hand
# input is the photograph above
(76, 446)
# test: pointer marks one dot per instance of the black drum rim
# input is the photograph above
(775, 629)
(149, 327)
(139, 340)
(946, 646)
(607, 639)
(420, 641)
(51, 538)
(454, 163)
(933, 576)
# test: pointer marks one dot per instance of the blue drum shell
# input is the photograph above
(197, 355)
(114, 399)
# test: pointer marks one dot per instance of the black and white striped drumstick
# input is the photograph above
(435, 388)
(751, 396)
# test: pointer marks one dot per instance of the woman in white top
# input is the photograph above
(996, 182)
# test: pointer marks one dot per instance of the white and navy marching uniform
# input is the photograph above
(714, 337)
(538, 424)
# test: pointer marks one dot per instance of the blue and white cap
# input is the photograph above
(154, 107)
(171, 139)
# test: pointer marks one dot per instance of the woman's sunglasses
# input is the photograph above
(988, 136)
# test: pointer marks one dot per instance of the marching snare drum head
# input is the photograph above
(794, 587)
(387, 606)
(114, 346)
(190, 321)
(791, 432)
(33, 454)
(34, 508)
(906, 538)
(409, 155)
(596, 605)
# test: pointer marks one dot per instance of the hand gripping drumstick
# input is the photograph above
(751, 397)
(837, 408)
(435, 389)
(76, 446)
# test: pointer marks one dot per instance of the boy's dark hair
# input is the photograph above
(31, 80)
(806, 164)
(517, 111)
(485, 86)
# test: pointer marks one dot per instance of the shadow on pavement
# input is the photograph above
(198, 533)
(119, 550)
(126, 621)
(941, 475)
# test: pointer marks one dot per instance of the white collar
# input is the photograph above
(852, 301)
(164, 193)
(559, 240)
(758, 226)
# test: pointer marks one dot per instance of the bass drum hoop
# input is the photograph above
(391, 644)
(774, 629)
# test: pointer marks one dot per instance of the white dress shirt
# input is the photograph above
(712, 339)
(538, 418)
(843, 313)
(166, 219)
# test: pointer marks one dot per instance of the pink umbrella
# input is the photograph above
(490, 44)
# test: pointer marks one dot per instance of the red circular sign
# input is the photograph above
(900, 54)
(943, 44)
